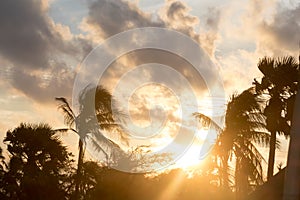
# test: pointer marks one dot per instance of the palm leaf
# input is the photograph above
(207, 122)
(69, 116)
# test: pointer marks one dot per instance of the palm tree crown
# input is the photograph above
(38, 166)
(244, 124)
(279, 84)
(91, 119)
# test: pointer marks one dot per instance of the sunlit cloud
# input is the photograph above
(39, 54)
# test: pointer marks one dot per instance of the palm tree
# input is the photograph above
(90, 119)
(279, 83)
(244, 124)
(2, 173)
(39, 164)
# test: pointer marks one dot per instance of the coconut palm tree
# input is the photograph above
(2, 173)
(279, 84)
(91, 119)
(244, 124)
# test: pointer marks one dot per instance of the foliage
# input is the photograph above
(244, 125)
(95, 114)
(39, 164)
(279, 87)
(280, 83)
(109, 184)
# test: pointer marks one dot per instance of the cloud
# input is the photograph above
(213, 18)
(269, 27)
(177, 11)
(209, 38)
(26, 36)
(283, 31)
(115, 16)
(44, 86)
(40, 51)
(251, 30)
(42, 54)
(109, 17)
(177, 16)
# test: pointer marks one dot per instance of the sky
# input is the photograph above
(43, 43)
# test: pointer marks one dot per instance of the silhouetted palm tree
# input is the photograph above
(279, 83)
(2, 172)
(39, 164)
(91, 119)
(244, 124)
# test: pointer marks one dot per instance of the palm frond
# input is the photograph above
(65, 130)
(207, 122)
(69, 116)
(250, 156)
(260, 138)
(266, 65)
(98, 148)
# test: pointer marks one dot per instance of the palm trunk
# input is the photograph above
(224, 174)
(292, 175)
(272, 155)
(237, 180)
(79, 170)
(240, 179)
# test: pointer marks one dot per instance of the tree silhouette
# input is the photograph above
(2, 172)
(92, 118)
(244, 124)
(111, 184)
(279, 84)
(39, 164)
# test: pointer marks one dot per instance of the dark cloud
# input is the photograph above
(177, 80)
(30, 41)
(43, 87)
(176, 10)
(212, 21)
(114, 16)
(26, 37)
(213, 18)
(22, 33)
(110, 17)
(285, 28)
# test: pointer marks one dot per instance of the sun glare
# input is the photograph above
(189, 159)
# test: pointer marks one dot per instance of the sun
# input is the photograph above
(191, 158)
